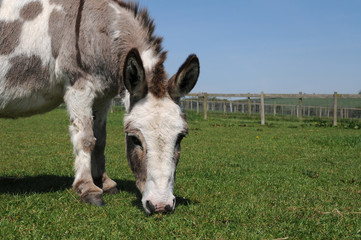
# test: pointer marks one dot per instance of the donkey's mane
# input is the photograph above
(147, 22)
(158, 84)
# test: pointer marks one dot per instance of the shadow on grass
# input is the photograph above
(34, 184)
(52, 183)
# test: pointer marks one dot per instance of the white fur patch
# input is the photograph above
(10, 9)
(115, 7)
(34, 38)
(149, 59)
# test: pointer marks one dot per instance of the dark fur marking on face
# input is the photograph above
(9, 36)
(31, 10)
(27, 72)
(137, 162)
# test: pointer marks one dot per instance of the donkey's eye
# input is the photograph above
(135, 141)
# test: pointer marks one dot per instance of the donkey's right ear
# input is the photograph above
(185, 79)
(134, 75)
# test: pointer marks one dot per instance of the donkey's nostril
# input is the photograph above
(168, 208)
(150, 206)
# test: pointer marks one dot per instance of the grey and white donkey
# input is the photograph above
(84, 53)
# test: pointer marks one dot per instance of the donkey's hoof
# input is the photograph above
(94, 199)
(113, 190)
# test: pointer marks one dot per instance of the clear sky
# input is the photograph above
(275, 46)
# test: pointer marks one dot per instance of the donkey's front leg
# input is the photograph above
(79, 99)
(98, 158)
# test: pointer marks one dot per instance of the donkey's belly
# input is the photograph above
(28, 86)
(35, 103)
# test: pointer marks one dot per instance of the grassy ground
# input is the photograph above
(236, 179)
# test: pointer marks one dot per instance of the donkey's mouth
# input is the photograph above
(159, 208)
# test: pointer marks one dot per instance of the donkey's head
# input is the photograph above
(155, 126)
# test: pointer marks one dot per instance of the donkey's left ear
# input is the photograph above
(185, 79)
(134, 75)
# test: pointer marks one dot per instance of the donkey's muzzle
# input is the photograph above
(160, 207)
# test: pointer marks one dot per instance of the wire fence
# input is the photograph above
(336, 106)
(275, 109)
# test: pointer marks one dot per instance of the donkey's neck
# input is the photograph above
(129, 29)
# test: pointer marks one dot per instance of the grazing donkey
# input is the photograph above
(84, 53)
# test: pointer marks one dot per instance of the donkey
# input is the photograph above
(85, 53)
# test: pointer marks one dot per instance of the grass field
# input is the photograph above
(235, 180)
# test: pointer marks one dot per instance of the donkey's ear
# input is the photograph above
(134, 75)
(185, 79)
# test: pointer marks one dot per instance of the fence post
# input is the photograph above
(198, 105)
(112, 105)
(262, 109)
(274, 109)
(205, 105)
(249, 105)
(300, 106)
(335, 109)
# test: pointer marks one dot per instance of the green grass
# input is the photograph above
(235, 180)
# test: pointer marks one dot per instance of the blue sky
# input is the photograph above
(275, 46)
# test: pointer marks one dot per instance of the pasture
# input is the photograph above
(235, 180)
